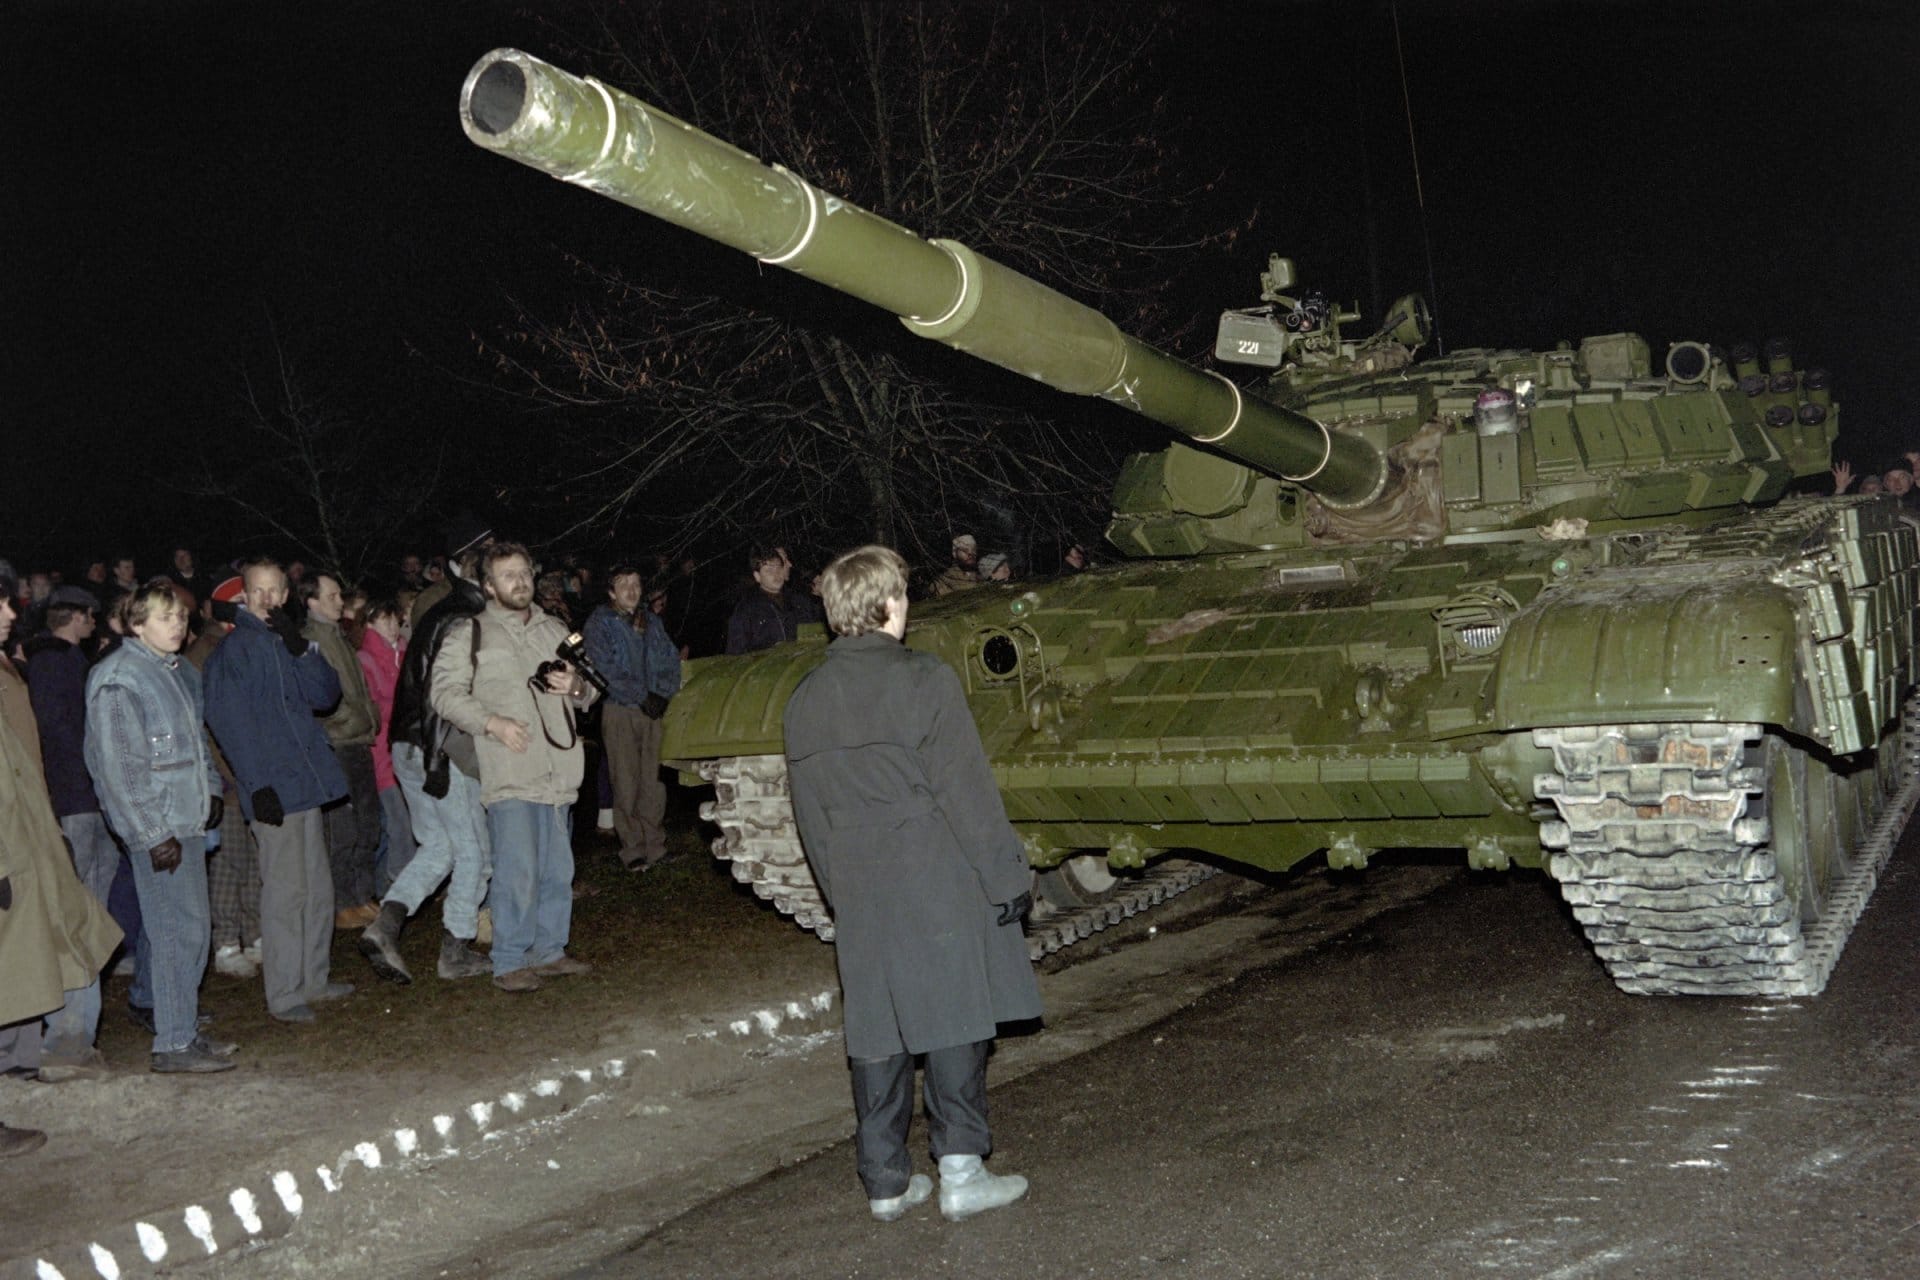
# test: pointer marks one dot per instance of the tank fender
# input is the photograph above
(1644, 649)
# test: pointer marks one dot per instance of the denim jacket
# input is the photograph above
(635, 663)
(146, 746)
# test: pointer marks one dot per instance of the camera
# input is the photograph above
(571, 651)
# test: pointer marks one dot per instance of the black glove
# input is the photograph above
(287, 627)
(654, 707)
(266, 807)
(1010, 912)
(216, 810)
(6, 893)
(439, 778)
(166, 854)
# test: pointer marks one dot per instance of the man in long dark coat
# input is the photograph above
(927, 881)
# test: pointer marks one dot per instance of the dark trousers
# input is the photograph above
(353, 828)
(956, 1096)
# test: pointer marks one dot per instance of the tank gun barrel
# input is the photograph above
(586, 133)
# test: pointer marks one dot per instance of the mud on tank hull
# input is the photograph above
(1699, 733)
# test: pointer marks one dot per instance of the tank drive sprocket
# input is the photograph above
(1718, 859)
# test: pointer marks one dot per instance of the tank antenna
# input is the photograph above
(1419, 191)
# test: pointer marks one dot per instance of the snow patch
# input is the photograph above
(247, 1210)
(200, 1223)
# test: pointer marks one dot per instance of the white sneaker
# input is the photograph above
(252, 952)
(234, 962)
(966, 1188)
(919, 1187)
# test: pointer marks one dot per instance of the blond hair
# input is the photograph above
(157, 596)
(856, 587)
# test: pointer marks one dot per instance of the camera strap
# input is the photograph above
(573, 729)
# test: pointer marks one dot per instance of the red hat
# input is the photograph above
(227, 599)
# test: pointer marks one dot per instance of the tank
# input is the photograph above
(1553, 609)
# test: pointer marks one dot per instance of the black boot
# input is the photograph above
(380, 944)
(458, 960)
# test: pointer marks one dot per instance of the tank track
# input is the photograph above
(1670, 875)
(758, 836)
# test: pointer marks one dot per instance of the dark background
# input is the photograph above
(186, 180)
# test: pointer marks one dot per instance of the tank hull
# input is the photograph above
(1268, 708)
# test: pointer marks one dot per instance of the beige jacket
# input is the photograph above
(467, 688)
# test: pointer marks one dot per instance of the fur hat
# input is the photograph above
(964, 541)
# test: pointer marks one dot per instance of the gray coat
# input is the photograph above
(910, 844)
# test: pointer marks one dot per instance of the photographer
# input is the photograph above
(500, 681)
(642, 668)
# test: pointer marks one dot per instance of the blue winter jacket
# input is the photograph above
(634, 664)
(146, 747)
(261, 704)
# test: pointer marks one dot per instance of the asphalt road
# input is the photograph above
(1451, 1089)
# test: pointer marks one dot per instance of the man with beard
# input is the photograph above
(499, 680)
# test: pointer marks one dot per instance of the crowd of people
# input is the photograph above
(222, 768)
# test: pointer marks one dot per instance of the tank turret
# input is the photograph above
(584, 132)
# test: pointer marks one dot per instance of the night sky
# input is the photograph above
(186, 179)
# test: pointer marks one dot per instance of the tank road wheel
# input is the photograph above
(1805, 846)
(1079, 882)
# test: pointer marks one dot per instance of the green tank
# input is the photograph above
(1554, 609)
